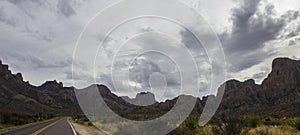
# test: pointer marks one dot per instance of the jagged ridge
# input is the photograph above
(277, 95)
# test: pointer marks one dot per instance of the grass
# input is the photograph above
(257, 126)
(274, 130)
(297, 124)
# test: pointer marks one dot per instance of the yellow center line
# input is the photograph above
(43, 129)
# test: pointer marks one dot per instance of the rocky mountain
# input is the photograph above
(141, 99)
(278, 95)
(19, 97)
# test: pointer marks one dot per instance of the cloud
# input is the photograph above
(260, 75)
(39, 38)
(141, 70)
(65, 8)
(6, 19)
(252, 29)
(34, 62)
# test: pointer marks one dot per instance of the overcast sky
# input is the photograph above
(38, 38)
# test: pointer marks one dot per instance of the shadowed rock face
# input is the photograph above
(276, 96)
(279, 94)
(18, 96)
(283, 81)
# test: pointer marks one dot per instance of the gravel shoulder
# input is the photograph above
(86, 130)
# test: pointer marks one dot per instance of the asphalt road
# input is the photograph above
(59, 126)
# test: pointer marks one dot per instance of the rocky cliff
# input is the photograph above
(279, 94)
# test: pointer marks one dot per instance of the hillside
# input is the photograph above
(278, 95)
(21, 99)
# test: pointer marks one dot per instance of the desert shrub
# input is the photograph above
(191, 123)
(272, 123)
(15, 119)
(253, 121)
(229, 125)
(297, 124)
(88, 123)
(263, 132)
(189, 127)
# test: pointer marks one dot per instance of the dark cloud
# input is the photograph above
(40, 63)
(34, 62)
(141, 70)
(291, 15)
(191, 41)
(65, 7)
(251, 30)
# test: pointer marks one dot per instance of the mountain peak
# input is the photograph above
(250, 82)
(52, 85)
(7, 74)
(283, 63)
(141, 99)
(4, 69)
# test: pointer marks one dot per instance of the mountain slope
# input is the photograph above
(23, 98)
(279, 95)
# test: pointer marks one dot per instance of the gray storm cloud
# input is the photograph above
(38, 36)
(251, 30)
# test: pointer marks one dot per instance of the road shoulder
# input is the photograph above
(86, 130)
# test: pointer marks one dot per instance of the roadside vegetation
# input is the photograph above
(10, 121)
(222, 125)
(81, 119)
(14, 121)
(244, 125)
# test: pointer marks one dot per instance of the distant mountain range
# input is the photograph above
(278, 95)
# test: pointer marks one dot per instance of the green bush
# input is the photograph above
(297, 124)
(189, 127)
(191, 123)
(253, 121)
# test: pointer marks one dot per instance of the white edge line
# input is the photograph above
(74, 132)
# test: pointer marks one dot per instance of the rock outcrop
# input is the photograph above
(283, 83)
